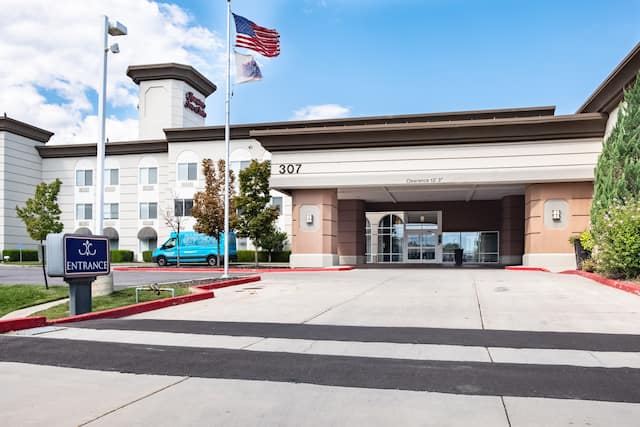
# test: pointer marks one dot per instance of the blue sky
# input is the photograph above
(339, 57)
(398, 57)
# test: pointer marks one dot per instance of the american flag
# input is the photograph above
(263, 40)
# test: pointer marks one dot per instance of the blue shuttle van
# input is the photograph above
(194, 248)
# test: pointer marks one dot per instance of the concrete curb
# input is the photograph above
(234, 270)
(201, 292)
(523, 268)
(22, 323)
(618, 284)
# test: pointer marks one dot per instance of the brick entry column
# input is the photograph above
(314, 228)
(351, 232)
(547, 237)
(512, 230)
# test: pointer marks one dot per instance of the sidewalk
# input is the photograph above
(28, 311)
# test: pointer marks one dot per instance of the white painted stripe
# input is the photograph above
(359, 349)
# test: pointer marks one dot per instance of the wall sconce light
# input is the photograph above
(309, 219)
(556, 214)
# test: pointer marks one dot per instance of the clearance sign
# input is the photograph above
(86, 256)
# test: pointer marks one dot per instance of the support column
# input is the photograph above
(512, 230)
(553, 213)
(314, 228)
(351, 232)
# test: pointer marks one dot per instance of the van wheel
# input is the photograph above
(162, 261)
(212, 260)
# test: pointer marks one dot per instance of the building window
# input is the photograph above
(277, 201)
(187, 171)
(148, 176)
(183, 207)
(111, 210)
(239, 165)
(84, 178)
(112, 176)
(148, 210)
(84, 211)
(390, 239)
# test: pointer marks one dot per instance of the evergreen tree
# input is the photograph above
(256, 218)
(617, 174)
(208, 205)
(41, 216)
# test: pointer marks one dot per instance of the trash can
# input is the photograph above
(457, 256)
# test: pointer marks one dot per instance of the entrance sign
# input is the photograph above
(78, 259)
(76, 256)
(86, 256)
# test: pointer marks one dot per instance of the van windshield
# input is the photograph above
(169, 243)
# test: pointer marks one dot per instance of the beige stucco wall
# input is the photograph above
(314, 245)
(539, 237)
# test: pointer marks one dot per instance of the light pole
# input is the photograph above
(104, 284)
(114, 29)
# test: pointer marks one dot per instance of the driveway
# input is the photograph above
(15, 275)
(362, 347)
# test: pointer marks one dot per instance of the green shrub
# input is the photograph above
(120, 255)
(586, 240)
(14, 254)
(146, 256)
(617, 240)
(263, 256)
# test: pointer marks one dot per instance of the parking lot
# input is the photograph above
(377, 347)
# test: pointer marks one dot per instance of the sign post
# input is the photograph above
(79, 260)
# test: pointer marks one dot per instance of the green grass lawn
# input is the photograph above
(15, 297)
(116, 299)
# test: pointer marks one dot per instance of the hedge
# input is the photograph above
(120, 255)
(14, 254)
(263, 256)
(146, 256)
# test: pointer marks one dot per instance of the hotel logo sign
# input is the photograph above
(195, 104)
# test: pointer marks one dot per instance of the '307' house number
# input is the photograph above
(289, 168)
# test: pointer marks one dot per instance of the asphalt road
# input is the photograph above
(12, 275)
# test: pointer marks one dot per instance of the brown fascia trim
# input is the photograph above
(590, 125)
(17, 127)
(214, 133)
(111, 149)
(611, 91)
(185, 73)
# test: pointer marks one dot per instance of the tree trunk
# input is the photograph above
(256, 255)
(269, 256)
(44, 271)
(218, 253)
(178, 247)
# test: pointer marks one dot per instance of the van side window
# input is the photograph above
(170, 243)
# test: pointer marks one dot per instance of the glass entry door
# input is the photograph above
(422, 245)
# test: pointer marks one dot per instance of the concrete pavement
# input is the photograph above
(374, 347)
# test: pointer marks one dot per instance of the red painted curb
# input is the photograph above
(135, 308)
(618, 284)
(219, 285)
(233, 270)
(22, 323)
(204, 292)
(523, 268)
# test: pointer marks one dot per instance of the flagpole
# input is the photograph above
(226, 146)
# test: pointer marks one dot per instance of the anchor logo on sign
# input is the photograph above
(87, 249)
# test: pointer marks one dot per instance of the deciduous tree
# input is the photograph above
(41, 215)
(208, 205)
(256, 218)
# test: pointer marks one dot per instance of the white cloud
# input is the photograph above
(319, 112)
(56, 46)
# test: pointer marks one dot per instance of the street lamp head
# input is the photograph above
(117, 29)
(114, 48)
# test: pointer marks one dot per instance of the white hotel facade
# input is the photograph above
(508, 186)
